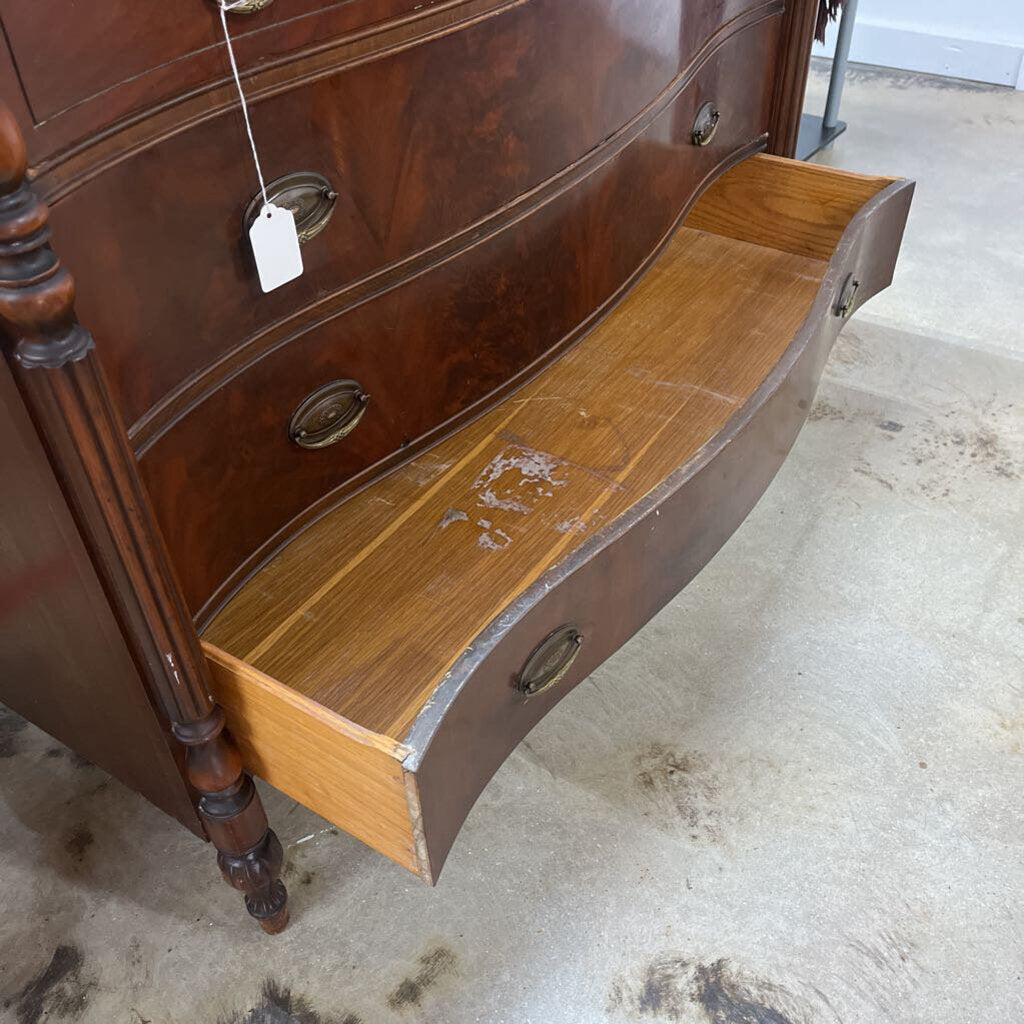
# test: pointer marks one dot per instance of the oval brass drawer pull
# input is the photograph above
(307, 194)
(550, 661)
(328, 414)
(705, 124)
(247, 6)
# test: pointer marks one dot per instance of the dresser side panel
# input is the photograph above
(63, 662)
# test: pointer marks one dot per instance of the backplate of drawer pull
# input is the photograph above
(310, 197)
(246, 6)
(847, 297)
(329, 414)
(550, 661)
(705, 124)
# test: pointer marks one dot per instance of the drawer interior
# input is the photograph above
(329, 656)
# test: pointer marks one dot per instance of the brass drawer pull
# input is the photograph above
(308, 195)
(550, 661)
(847, 297)
(705, 124)
(328, 414)
(247, 6)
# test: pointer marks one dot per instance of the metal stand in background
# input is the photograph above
(817, 132)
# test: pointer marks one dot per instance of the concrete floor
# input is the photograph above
(795, 797)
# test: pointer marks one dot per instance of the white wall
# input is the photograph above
(982, 40)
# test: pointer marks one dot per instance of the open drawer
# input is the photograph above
(382, 666)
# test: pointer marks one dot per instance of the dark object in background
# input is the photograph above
(828, 10)
(817, 132)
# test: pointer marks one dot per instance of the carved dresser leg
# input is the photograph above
(53, 360)
(249, 854)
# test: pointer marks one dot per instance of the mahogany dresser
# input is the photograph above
(564, 307)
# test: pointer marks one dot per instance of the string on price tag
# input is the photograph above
(273, 236)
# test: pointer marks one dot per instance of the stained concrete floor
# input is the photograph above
(795, 797)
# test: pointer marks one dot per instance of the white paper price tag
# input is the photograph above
(275, 247)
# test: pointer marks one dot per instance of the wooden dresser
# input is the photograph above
(564, 308)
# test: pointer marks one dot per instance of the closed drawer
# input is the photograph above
(151, 49)
(419, 143)
(383, 665)
(445, 343)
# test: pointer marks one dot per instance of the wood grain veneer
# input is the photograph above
(97, 111)
(107, 52)
(383, 131)
(791, 80)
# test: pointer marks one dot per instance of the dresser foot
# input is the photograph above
(256, 874)
(249, 854)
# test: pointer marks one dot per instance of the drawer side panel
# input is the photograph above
(349, 777)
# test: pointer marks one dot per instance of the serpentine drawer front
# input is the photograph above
(382, 133)
(440, 336)
(385, 662)
(93, 70)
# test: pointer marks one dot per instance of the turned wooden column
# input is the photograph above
(53, 360)
(794, 62)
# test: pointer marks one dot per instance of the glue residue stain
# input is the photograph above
(517, 479)
(453, 515)
(574, 525)
(494, 540)
(514, 482)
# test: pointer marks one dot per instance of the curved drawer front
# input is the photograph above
(440, 346)
(144, 51)
(607, 589)
(444, 610)
(419, 144)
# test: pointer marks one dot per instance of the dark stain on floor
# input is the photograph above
(279, 1005)
(681, 786)
(890, 951)
(953, 453)
(903, 80)
(79, 797)
(57, 992)
(11, 727)
(825, 410)
(1011, 729)
(675, 989)
(728, 999)
(433, 966)
(949, 450)
(664, 991)
(295, 874)
(79, 839)
(863, 469)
